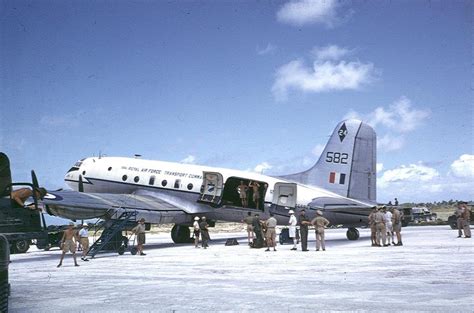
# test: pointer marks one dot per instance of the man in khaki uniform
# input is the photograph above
(380, 228)
(371, 222)
(84, 240)
(139, 230)
(466, 220)
(460, 218)
(271, 234)
(68, 243)
(320, 223)
(248, 221)
(397, 226)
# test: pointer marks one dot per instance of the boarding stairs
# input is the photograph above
(112, 231)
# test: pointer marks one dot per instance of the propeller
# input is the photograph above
(80, 184)
(36, 186)
(34, 179)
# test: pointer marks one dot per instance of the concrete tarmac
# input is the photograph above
(432, 272)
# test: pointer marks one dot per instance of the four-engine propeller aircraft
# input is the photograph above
(341, 184)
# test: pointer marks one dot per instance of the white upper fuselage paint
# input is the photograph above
(128, 175)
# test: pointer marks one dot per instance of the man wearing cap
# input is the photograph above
(303, 223)
(68, 244)
(139, 231)
(466, 220)
(197, 231)
(320, 223)
(271, 234)
(248, 220)
(379, 219)
(292, 228)
(84, 240)
(204, 232)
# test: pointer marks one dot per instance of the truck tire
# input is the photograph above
(21, 246)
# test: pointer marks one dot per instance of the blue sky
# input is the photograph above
(240, 84)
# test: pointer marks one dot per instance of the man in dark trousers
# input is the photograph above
(303, 223)
(204, 232)
(257, 228)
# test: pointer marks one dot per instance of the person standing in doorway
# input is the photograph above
(255, 193)
(242, 189)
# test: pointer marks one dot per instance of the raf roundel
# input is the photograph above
(50, 196)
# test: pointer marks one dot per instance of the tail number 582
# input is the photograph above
(336, 157)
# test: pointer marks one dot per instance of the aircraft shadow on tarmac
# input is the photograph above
(54, 254)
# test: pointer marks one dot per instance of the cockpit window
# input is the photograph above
(78, 164)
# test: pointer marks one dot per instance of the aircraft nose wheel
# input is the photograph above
(352, 234)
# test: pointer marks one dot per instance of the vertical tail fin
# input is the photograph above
(347, 165)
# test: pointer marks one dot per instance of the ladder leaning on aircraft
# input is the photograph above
(341, 183)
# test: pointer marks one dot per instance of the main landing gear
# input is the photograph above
(352, 234)
(181, 234)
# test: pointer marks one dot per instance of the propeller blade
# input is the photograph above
(81, 184)
(34, 179)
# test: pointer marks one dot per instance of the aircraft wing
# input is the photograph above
(345, 211)
(80, 205)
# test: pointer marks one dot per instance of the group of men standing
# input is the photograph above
(463, 219)
(266, 228)
(255, 188)
(384, 223)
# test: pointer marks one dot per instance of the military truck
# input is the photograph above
(22, 226)
(422, 214)
(417, 215)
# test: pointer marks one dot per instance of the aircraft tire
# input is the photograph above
(180, 234)
(121, 250)
(352, 233)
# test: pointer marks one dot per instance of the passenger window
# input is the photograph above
(152, 180)
(190, 186)
(109, 169)
(124, 177)
(164, 183)
(177, 183)
(136, 179)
